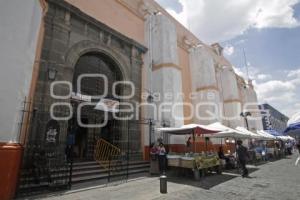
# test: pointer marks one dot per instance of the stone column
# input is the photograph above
(166, 77)
(206, 96)
(231, 98)
(251, 104)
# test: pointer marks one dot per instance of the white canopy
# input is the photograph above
(226, 131)
(188, 129)
(290, 138)
(249, 133)
(266, 135)
(285, 138)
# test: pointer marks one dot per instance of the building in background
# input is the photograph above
(272, 118)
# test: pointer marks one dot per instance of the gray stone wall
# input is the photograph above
(70, 33)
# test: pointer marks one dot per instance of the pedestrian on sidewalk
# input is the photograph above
(298, 159)
(243, 156)
(189, 145)
(162, 158)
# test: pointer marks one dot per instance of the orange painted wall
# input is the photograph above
(186, 81)
(115, 15)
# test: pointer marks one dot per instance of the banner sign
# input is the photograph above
(108, 105)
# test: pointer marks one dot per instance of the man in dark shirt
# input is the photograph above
(243, 156)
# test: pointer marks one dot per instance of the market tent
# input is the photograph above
(285, 138)
(293, 125)
(266, 135)
(226, 131)
(291, 138)
(278, 135)
(249, 133)
(189, 129)
(295, 128)
(273, 132)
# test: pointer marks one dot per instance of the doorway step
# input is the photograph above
(91, 171)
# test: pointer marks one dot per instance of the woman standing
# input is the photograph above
(162, 158)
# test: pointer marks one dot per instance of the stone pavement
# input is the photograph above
(278, 180)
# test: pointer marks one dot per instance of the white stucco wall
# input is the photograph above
(202, 68)
(232, 112)
(164, 40)
(19, 25)
(251, 104)
(207, 100)
(167, 80)
(230, 94)
(229, 84)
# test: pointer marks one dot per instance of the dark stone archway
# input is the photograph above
(69, 35)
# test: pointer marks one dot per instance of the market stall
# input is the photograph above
(267, 149)
(255, 149)
(199, 163)
(278, 144)
(229, 157)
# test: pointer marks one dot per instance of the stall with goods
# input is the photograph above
(198, 163)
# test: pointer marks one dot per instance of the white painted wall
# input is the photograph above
(255, 121)
(229, 84)
(19, 25)
(207, 101)
(232, 109)
(202, 68)
(167, 80)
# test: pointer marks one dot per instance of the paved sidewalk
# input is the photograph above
(278, 180)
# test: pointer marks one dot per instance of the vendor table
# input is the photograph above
(198, 164)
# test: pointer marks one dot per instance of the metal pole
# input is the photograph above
(127, 159)
(163, 184)
(71, 167)
(150, 132)
(246, 64)
(246, 123)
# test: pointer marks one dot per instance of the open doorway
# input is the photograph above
(78, 137)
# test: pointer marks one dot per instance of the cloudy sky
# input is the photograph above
(268, 31)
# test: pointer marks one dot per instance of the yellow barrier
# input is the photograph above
(104, 152)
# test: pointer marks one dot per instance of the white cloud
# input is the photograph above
(219, 20)
(294, 76)
(293, 73)
(181, 17)
(229, 50)
(264, 77)
(283, 94)
(268, 88)
(252, 72)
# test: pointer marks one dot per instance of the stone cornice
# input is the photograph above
(77, 12)
(232, 101)
(211, 87)
(165, 65)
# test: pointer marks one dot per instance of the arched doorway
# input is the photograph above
(89, 90)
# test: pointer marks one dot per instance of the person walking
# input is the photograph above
(243, 156)
(298, 158)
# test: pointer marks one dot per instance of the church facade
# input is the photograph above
(75, 53)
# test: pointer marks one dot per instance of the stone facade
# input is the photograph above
(69, 34)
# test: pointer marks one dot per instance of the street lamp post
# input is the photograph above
(245, 115)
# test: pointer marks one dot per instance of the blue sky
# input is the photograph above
(269, 31)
